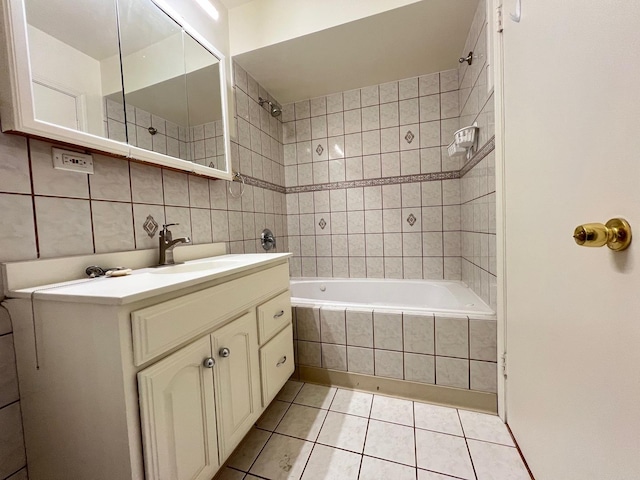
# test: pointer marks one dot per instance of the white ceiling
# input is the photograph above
(234, 3)
(417, 39)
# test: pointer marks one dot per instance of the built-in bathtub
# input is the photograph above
(419, 296)
(421, 331)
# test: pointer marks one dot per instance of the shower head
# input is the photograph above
(274, 109)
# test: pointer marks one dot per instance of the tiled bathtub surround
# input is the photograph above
(453, 351)
(477, 189)
(369, 191)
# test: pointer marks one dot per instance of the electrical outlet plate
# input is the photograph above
(72, 161)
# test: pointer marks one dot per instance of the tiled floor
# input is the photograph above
(312, 432)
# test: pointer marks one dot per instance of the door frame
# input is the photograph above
(495, 11)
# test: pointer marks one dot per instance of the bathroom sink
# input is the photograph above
(218, 264)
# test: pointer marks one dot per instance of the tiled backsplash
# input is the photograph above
(454, 351)
(371, 191)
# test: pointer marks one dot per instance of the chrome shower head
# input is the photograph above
(274, 109)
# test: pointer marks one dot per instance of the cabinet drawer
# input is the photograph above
(276, 364)
(166, 325)
(273, 315)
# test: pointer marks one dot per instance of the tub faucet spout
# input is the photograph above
(167, 244)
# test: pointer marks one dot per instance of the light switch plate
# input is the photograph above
(72, 161)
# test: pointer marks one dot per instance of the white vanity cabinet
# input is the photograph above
(162, 387)
(178, 415)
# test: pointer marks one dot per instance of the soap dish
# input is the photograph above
(455, 150)
(465, 137)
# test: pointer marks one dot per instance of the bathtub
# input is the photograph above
(433, 296)
(419, 331)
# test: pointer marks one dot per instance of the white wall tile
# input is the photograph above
(360, 360)
(50, 181)
(112, 226)
(12, 453)
(140, 214)
(419, 368)
(14, 164)
(8, 374)
(452, 372)
(387, 328)
(389, 364)
(64, 226)
(146, 184)
(17, 236)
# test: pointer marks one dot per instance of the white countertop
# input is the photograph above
(148, 282)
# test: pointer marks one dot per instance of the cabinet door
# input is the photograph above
(237, 380)
(178, 416)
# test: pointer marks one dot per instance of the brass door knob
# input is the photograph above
(615, 234)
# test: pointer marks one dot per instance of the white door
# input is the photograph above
(572, 123)
(237, 380)
(178, 416)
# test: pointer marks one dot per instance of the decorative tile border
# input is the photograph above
(255, 182)
(372, 182)
(479, 156)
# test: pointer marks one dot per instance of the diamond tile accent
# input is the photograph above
(150, 226)
(322, 223)
(319, 150)
(411, 219)
(409, 136)
(212, 165)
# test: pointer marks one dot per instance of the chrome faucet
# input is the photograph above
(167, 244)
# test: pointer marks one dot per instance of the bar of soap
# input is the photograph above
(119, 273)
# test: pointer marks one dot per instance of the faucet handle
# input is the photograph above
(165, 232)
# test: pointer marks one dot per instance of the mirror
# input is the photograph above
(69, 62)
(127, 72)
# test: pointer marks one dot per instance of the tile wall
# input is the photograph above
(370, 189)
(478, 187)
(453, 351)
(51, 213)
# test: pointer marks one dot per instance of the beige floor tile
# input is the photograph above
(282, 458)
(330, 463)
(248, 451)
(289, 391)
(443, 453)
(488, 428)
(353, 403)
(497, 462)
(392, 442)
(344, 431)
(424, 475)
(229, 474)
(317, 396)
(302, 422)
(376, 469)
(272, 416)
(437, 418)
(392, 410)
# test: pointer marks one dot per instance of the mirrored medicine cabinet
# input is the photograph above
(127, 77)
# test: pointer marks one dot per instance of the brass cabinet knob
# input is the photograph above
(615, 234)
